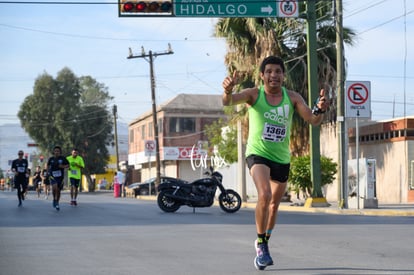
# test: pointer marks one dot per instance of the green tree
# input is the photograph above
(300, 179)
(251, 39)
(70, 111)
(223, 142)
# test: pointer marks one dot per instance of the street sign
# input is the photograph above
(358, 103)
(288, 8)
(208, 8)
(149, 147)
(222, 8)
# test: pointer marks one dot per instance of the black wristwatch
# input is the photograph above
(316, 110)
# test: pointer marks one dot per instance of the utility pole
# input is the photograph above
(150, 60)
(342, 159)
(114, 111)
(241, 162)
(312, 59)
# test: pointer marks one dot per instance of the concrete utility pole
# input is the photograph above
(151, 56)
(342, 159)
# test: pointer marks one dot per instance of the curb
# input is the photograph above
(329, 210)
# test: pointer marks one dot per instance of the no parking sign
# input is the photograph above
(358, 99)
(288, 8)
(149, 147)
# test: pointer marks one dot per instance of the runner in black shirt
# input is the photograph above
(46, 181)
(37, 180)
(20, 168)
(56, 166)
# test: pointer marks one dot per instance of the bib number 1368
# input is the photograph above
(274, 133)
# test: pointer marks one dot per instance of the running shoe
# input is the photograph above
(75, 203)
(57, 207)
(263, 258)
(20, 204)
(72, 203)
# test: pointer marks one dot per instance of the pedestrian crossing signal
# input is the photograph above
(129, 8)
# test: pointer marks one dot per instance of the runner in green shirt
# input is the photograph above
(74, 174)
(270, 108)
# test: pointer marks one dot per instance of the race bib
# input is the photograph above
(21, 169)
(56, 174)
(73, 172)
(274, 133)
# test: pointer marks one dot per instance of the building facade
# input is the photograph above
(181, 137)
(390, 143)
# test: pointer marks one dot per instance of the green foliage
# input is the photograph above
(300, 179)
(70, 111)
(224, 142)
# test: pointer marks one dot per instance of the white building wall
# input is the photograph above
(231, 180)
(186, 172)
(392, 165)
(329, 148)
(392, 168)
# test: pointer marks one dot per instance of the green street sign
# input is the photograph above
(225, 8)
(208, 8)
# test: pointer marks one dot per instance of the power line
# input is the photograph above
(362, 9)
(116, 3)
(102, 37)
(57, 3)
(386, 22)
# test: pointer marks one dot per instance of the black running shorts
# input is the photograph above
(278, 171)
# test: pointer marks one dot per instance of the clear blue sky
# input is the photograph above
(93, 40)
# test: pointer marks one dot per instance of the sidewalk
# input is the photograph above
(382, 210)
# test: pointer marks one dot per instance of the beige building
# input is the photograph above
(390, 143)
(182, 140)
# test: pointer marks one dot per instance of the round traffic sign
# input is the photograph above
(358, 93)
(150, 145)
(288, 8)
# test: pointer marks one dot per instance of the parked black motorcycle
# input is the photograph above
(199, 193)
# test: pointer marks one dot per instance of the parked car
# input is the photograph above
(142, 188)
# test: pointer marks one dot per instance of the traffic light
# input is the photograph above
(148, 8)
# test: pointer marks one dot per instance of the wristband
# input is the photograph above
(316, 110)
(227, 92)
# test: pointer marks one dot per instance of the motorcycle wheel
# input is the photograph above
(167, 204)
(230, 201)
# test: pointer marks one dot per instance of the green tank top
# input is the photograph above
(269, 128)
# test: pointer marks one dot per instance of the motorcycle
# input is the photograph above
(199, 193)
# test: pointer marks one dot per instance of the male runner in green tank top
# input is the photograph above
(270, 109)
(76, 164)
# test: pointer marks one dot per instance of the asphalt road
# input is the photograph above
(107, 235)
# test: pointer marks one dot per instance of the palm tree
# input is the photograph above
(250, 40)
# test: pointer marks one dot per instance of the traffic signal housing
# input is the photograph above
(145, 8)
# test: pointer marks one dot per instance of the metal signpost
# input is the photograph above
(358, 104)
(149, 149)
